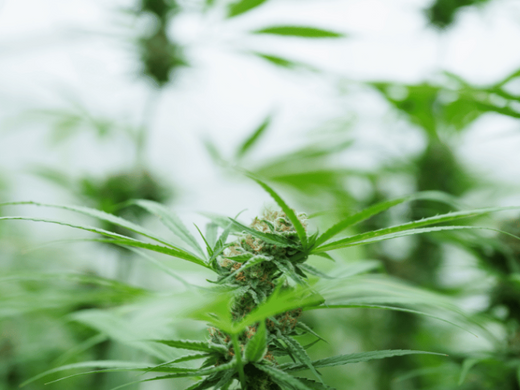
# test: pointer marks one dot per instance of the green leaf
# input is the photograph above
(379, 208)
(187, 344)
(77, 278)
(282, 62)
(181, 359)
(274, 239)
(253, 138)
(300, 230)
(188, 373)
(371, 236)
(467, 365)
(171, 221)
(354, 358)
(313, 271)
(211, 234)
(283, 377)
(100, 364)
(242, 6)
(346, 242)
(119, 239)
(255, 260)
(360, 305)
(299, 31)
(307, 329)
(301, 355)
(256, 348)
(101, 215)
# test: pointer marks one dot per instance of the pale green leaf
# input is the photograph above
(171, 221)
(253, 138)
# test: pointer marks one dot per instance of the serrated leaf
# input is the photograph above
(369, 212)
(171, 221)
(181, 359)
(253, 138)
(300, 230)
(120, 239)
(282, 376)
(242, 6)
(191, 345)
(307, 329)
(194, 373)
(256, 348)
(354, 358)
(299, 31)
(406, 232)
(101, 215)
(301, 355)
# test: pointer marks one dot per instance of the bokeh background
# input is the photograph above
(104, 102)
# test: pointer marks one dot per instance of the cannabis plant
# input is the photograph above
(262, 284)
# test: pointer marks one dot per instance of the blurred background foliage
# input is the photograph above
(89, 155)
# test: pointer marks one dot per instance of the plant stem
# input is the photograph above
(238, 355)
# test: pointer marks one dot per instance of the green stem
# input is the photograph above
(238, 355)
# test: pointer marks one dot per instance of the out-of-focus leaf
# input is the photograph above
(118, 239)
(283, 62)
(299, 31)
(171, 221)
(354, 358)
(99, 364)
(467, 365)
(241, 6)
(253, 138)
